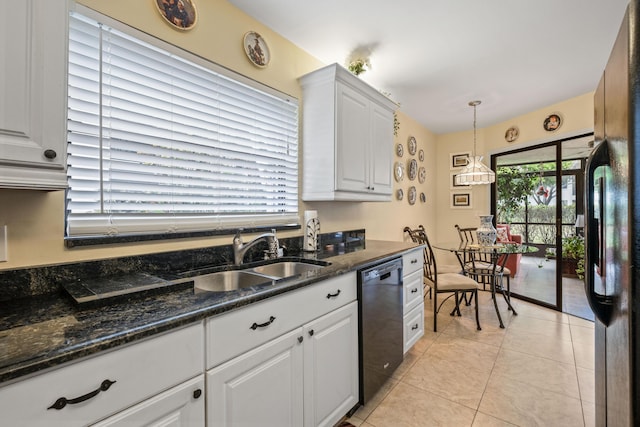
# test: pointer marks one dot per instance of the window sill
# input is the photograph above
(79, 241)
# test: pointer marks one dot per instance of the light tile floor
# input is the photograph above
(539, 283)
(538, 371)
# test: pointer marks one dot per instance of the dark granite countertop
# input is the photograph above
(41, 332)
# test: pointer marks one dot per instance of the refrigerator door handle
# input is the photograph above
(602, 305)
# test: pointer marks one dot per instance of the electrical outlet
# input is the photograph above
(4, 255)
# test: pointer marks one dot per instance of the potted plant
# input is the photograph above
(573, 256)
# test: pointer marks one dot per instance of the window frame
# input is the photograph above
(191, 225)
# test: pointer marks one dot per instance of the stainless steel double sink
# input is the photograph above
(267, 274)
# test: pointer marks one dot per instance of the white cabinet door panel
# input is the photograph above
(260, 388)
(33, 45)
(331, 366)
(353, 134)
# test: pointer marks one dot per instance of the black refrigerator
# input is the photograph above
(612, 257)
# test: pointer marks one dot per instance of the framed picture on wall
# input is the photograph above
(452, 182)
(460, 200)
(459, 160)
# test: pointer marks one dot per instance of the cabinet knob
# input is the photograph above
(197, 393)
(50, 154)
(300, 339)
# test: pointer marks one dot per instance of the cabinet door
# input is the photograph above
(33, 94)
(382, 150)
(331, 366)
(180, 406)
(260, 388)
(352, 140)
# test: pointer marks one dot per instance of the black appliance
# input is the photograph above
(611, 230)
(380, 323)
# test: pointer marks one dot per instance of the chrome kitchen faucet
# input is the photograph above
(240, 249)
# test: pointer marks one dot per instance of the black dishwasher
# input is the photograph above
(380, 324)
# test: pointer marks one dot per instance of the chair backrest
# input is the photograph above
(467, 237)
(466, 234)
(419, 235)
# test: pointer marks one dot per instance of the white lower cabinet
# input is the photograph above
(413, 296)
(178, 407)
(307, 375)
(290, 360)
(90, 390)
(260, 388)
(331, 366)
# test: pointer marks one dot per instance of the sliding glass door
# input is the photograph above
(538, 194)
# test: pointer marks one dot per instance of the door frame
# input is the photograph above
(557, 142)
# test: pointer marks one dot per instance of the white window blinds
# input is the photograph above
(164, 143)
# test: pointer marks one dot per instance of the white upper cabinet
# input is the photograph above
(33, 90)
(347, 144)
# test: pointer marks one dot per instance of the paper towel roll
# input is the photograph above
(311, 228)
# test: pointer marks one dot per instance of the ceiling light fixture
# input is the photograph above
(475, 173)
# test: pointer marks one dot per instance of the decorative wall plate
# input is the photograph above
(399, 194)
(398, 171)
(413, 169)
(512, 134)
(256, 49)
(552, 122)
(421, 155)
(412, 145)
(181, 14)
(412, 195)
(399, 150)
(422, 175)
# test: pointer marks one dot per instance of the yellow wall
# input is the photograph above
(35, 219)
(577, 116)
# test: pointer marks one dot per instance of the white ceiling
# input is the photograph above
(434, 56)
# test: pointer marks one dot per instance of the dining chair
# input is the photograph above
(481, 265)
(453, 283)
(416, 236)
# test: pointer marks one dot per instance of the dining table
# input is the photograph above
(497, 255)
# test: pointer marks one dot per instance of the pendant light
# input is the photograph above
(475, 173)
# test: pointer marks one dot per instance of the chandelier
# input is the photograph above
(475, 172)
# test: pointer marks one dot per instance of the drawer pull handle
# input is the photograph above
(329, 296)
(63, 401)
(197, 393)
(311, 332)
(414, 327)
(263, 325)
(414, 290)
(300, 339)
(414, 261)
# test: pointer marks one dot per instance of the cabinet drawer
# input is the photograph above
(140, 370)
(413, 290)
(413, 327)
(412, 261)
(233, 333)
